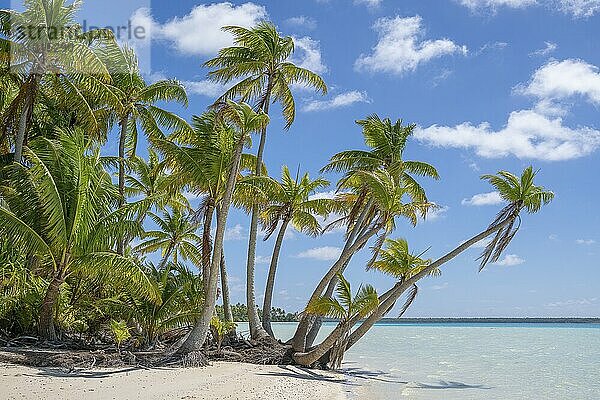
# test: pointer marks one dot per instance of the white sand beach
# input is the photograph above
(221, 380)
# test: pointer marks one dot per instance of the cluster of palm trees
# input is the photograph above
(74, 244)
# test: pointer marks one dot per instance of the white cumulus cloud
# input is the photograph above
(536, 133)
(558, 80)
(326, 253)
(341, 100)
(401, 47)
(199, 32)
(483, 199)
(307, 54)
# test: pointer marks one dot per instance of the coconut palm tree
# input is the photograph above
(199, 161)
(176, 238)
(378, 185)
(60, 210)
(149, 180)
(50, 54)
(136, 105)
(345, 308)
(244, 121)
(289, 202)
(260, 63)
(521, 193)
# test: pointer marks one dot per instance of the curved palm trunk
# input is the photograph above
(256, 330)
(318, 322)
(197, 336)
(166, 257)
(47, 311)
(122, 138)
(206, 241)
(299, 340)
(390, 297)
(267, 303)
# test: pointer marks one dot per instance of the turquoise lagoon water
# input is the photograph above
(474, 361)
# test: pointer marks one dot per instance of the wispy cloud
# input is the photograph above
(550, 47)
(236, 232)
(510, 260)
(483, 199)
(438, 212)
(339, 101)
(586, 242)
(302, 21)
(326, 253)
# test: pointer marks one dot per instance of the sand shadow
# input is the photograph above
(379, 376)
(307, 374)
(75, 373)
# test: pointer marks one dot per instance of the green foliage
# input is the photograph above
(345, 306)
(219, 329)
(240, 314)
(120, 331)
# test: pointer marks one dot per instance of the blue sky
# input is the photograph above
(491, 84)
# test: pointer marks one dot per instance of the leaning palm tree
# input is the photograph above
(50, 54)
(377, 184)
(344, 308)
(59, 209)
(244, 121)
(260, 62)
(289, 202)
(176, 238)
(521, 193)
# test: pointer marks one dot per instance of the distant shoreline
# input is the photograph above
(486, 320)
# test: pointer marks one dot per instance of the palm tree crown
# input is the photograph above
(260, 58)
(521, 193)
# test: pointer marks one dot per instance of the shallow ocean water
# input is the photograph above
(475, 361)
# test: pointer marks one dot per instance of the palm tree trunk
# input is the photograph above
(197, 336)
(227, 314)
(26, 113)
(303, 338)
(256, 330)
(46, 325)
(206, 241)
(309, 358)
(267, 303)
(20, 139)
(318, 322)
(299, 340)
(122, 139)
(166, 257)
